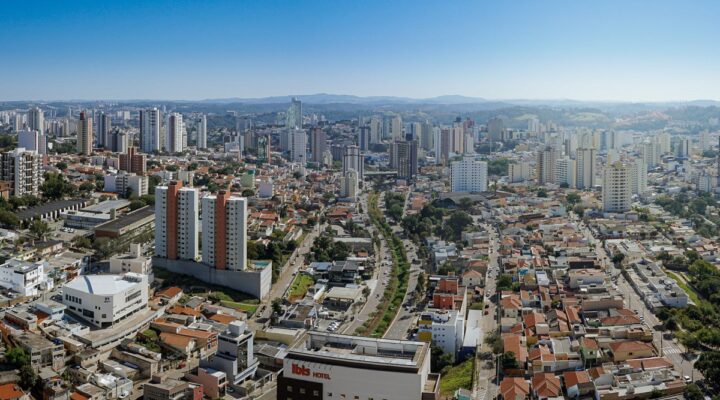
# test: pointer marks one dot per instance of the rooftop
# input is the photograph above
(104, 284)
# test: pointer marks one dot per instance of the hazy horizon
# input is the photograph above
(614, 51)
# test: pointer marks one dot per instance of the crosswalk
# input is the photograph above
(671, 350)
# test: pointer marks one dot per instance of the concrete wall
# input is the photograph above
(255, 283)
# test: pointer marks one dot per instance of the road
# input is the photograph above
(484, 384)
(668, 348)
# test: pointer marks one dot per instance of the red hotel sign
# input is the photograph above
(304, 371)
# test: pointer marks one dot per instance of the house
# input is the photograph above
(514, 389)
(11, 391)
(472, 278)
(546, 386)
(577, 383)
(628, 350)
(170, 295)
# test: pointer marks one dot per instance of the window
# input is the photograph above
(289, 389)
(302, 390)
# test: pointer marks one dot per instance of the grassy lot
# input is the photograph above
(248, 308)
(300, 285)
(193, 286)
(459, 376)
(690, 292)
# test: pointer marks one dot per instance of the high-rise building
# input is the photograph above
(443, 146)
(586, 161)
(404, 158)
(36, 120)
(638, 177)
(663, 141)
(545, 167)
(32, 140)
(519, 172)
(175, 134)
(297, 141)
(651, 151)
(294, 115)
(364, 138)
(353, 159)
(683, 148)
(202, 132)
(118, 141)
(150, 126)
(104, 125)
(427, 136)
(375, 130)
(458, 138)
(224, 222)
(617, 190)
(533, 125)
(263, 149)
(134, 162)
(468, 175)
(565, 171)
(84, 134)
(349, 185)
(176, 222)
(24, 170)
(495, 128)
(318, 144)
(127, 184)
(395, 128)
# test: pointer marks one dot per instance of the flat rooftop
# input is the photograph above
(367, 352)
(35, 212)
(102, 284)
(121, 222)
(105, 206)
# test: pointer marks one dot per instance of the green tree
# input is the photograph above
(62, 166)
(28, 377)
(9, 219)
(508, 360)
(17, 357)
(136, 204)
(56, 187)
(693, 392)
(572, 198)
(39, 229)
(504, 282)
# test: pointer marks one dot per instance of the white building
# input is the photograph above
(176, 222)
(349, 185)
(468, 175)
(617, 191)
(638, 177)
(24, 278)
(32, 140)
(234, 355)
(122, 181)
(202, 132)
(331, 366)
(519, 172)
(150, 125)
(104, 300)
(353, 159)
(586, 161)
(175, 137)
(224, 227)
(297, 143)
(545, 167)
(24, 169)
(36, 120)
(135, 262)
(565, 171)
(446, 329)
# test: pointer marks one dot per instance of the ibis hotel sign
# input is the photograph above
(301, 370)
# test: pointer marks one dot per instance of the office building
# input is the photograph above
(202, 132)
(36, 120)
(84, 134)
(404, 159)
(150, 126)
(353, 159)
(294, 115)
(32, 140)
(132, 161)
(565, 172)
(545, 166)
(105, 300)
(25, 278)
(586, 161)
(235, 355)
(176, 222)
(318, 144)
(331, 366)
(175, 136)
(468, 175)
(104, 126)
(297, 144)
(617, 190)
(224, 227)
(24, 170)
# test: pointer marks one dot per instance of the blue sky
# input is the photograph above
(600, 50)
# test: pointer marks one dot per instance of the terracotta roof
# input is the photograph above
(10, 391)
(513, 344)
(533, 319)
(223, 318)
(589, 343)
(170, 292)
(546, 385)
(630, 345)
(620, 320)
(176, 341)
(78, 396)
(510, 303)
(182, 310)
(196, 333)
(511, 388)
(573, 378)
(651, 363)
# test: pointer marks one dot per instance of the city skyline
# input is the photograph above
(612, 51)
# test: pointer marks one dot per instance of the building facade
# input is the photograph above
(176, 222)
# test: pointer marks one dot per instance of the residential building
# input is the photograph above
(495, 128)
(202, 132)
(150, 126)
(224, 227)
(105, 300)
(36, 120)
(545, 166)
(468, 175)
(444, 328)
(127, 184)
(565, 171)
(32, 140)
(132, 161)
(24, 170)
(84, 134)
(175, 137)
(404, 158)
(353, 159)
(235, 356)
(176, 222)
(638, 177)
(349, 185)
(318, 144)
(617, 190)
(104, 126)
(519, 172)
(25, 278)
(586, 161)
(297, 143)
